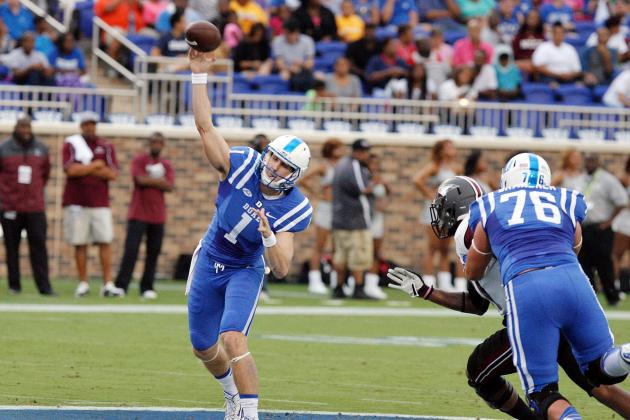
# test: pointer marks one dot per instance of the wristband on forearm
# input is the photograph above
(270, 241)
(426, 291)
(199, 78)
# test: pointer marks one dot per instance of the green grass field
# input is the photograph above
(144, 359)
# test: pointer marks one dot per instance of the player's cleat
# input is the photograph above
(338, 293)
(317, 288)
(359, 293)
(109, 290)
(232, 406)
(624, 353)
(149, 294)
(14, 291)
(83, 289)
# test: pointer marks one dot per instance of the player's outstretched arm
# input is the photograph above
(214, 145)
(412, 284)
(278, 248)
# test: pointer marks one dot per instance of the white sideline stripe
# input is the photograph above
(431, 342)
(215, 410)
(264, 310)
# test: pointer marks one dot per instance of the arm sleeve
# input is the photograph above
(243, 161)
(297, 217)
(474, 214)
(580, 208)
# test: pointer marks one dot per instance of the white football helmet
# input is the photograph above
(526, 169)
(291, 150)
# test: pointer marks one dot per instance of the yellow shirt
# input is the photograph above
(248, 14)
(350, 28)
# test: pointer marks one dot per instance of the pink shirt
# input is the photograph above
(443, 54)
(464, 52)
(151, 10)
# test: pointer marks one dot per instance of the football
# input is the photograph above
(203, 36)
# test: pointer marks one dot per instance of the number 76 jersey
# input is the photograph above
(529, 227)
(233, 238)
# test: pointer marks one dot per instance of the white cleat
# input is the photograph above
(624, 353)
(371, 287)
(149, 294)
(232, 406)
(317, 288)
(83, 289)
(109, 290)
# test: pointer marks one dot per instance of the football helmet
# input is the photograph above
(526, 169)
(291, 150)
(451, 203)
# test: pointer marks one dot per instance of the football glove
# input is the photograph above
(409, 282)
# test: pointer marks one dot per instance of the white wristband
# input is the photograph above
(199, 78)
(270, 241)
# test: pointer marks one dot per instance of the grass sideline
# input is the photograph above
(123, 360)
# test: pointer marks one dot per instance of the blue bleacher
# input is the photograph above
(86, 14)
(598, 92)
(575, 95)
(146, 43)
(337, 48)
(383, 32)
(538, 93)
(326, 63)
(451, 37)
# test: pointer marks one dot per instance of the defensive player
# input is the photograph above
(257, 211)
(491, 359)
(534, 232)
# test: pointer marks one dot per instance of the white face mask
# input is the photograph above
(273, 180)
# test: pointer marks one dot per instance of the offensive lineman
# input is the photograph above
(257, 211)
(534, 232)
(491, 359)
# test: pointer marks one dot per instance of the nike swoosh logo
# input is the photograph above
(270, 216)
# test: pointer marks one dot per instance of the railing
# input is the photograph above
(58, 26)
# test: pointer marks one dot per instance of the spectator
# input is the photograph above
(509, 78)
(152, 177)
(529, 37)
(350, 27)
(208, 9)
(259, 143)
(29, 67)
(123, 16)
(406, 44)
(7, 44)
(557, 11)
(616, 40)
(556, 60)
(367, 10)
(571, 174)
(464, 49)
(44, 36)
(605, 197)
(476, 167)
(360, 52)
(490, 32)
(438, 61)
(618, 94)
(485, 80)
(471, 9)
(24, 172)
(441, 14)
(249, 12)
(163, 23)
(441, 167)
(385, 66)
(293, 53)
(414, 86)
(316, 21)
(89, 162)
(18, 18)
(352, 219)
(232, 33)
(621, 226)
(399, 12)
(151, 10)
(281, 16)
(173, 43)
(342, 82)
(458, 87)
(332, 151)
(509, 24)
(316, 96)
(600, 61)
(68, 62)
(253, 54)
(380, 191)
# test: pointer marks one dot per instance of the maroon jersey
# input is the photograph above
(147, 203)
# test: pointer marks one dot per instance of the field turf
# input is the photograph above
(350, 363)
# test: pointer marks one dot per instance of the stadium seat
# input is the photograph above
(383, 32)
(325, 63)
(242, 87)
(336, 48)
(575, 95)
(451, 37)
(585, 27)
(539, 93)
(598, 92)
(160, 119)
(122, 118)
(270, 84)
(86, 16)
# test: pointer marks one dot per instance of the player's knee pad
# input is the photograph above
(596, 375)
(541, 401)
(496, 392)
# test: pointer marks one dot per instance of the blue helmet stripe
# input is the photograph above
(290, 146)
(532, 181)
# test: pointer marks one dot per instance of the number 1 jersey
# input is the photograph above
(529, 227)
(233, 238)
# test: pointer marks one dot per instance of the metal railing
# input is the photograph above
(58, 26)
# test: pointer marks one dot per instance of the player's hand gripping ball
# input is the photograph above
(203, 36)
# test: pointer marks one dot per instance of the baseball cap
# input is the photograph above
(87, 117)
(361, 144)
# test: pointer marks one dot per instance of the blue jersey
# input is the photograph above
(529, 227)
(233, 237)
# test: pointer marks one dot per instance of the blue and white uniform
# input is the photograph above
(531, 232)
(227, 268)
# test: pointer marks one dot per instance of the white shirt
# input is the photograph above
(616, 42)
(621, 85)
(449, 91)
(562, 59)
(486, 80)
